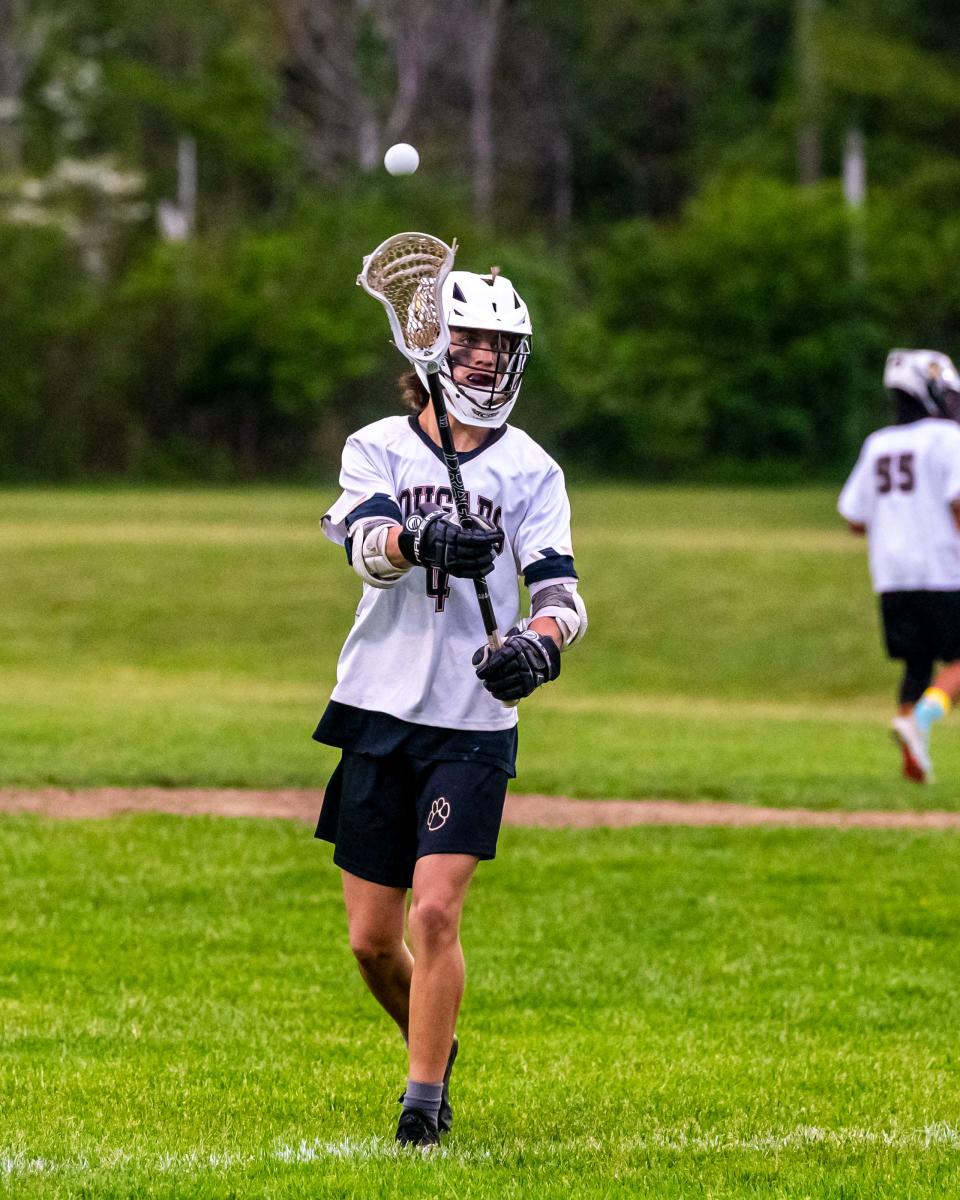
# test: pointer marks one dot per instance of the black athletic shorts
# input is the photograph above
(921, 625)
(403, 791)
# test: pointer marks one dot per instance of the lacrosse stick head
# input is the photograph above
(406, 273)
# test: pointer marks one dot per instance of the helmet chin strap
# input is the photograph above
(462, 409)
(466, 412)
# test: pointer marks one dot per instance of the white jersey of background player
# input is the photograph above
(421, 709)
(904, 494)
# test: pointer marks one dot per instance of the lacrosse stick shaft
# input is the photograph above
(460, 499)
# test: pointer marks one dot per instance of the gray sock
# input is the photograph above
(424, 1096)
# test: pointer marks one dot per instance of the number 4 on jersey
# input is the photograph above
(438, 586)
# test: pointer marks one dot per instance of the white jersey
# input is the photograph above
(901, 489)
(409, 651)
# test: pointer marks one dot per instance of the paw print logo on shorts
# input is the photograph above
(439, 811)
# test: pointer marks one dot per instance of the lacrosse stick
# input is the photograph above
(405, 273)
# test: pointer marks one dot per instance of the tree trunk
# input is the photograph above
(323, 81)
(809, 93)
(413, 33)
(483, 57)
(187, 182)
(14, 64)
(562, 178)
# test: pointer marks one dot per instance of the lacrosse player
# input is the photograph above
(426, 722)
(904, 494)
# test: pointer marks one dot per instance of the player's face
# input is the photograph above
(479, 357)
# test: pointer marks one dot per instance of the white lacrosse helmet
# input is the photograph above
(927, 376)
(484, 397)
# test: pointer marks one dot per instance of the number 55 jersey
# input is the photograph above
(408, 653)
(902, 488)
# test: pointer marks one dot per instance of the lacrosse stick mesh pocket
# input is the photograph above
(405, 274)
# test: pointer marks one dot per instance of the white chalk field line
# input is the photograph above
(936, 1136)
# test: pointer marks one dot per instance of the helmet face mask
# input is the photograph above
(485, 366)
(928, 377)
(946, 397)
(481, 373)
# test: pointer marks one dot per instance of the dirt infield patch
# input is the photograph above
(549, 812)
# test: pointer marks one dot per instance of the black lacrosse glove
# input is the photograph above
(432, 538)
(524, 662)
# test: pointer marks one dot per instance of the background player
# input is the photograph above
(427, 743)
(904, 493)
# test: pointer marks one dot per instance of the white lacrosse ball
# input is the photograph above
(401, 159)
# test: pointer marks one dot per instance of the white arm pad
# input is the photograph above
(368, 553)
(559, 598)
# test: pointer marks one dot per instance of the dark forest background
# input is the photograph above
(676, 186)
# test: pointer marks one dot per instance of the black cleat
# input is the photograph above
(416, 1129)
(445, 1115)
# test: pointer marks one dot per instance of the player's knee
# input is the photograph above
(434, 922)
(372, 951)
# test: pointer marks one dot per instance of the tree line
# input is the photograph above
(722, 214)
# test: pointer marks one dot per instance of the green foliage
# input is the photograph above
(730, 335)
(236, 350)
(225, 354)
(51, 415)
(700, 314)
(859, 61)
(688, 100)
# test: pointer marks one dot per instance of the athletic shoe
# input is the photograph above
(445, 1115)
(909, 770)
(417, 1129)
(915, 746)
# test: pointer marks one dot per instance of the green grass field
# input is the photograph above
(658, 1012)
(190, 637)
(650, 1012)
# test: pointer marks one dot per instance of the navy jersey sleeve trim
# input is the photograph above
(551, 566)
(380, 505)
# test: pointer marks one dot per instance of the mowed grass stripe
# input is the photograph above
(170, 533)
(190, 533)
(141, 686)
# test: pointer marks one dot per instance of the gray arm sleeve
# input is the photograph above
(559, 598)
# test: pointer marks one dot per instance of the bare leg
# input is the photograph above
(440, 883)
(375, 918)
(948, 680)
